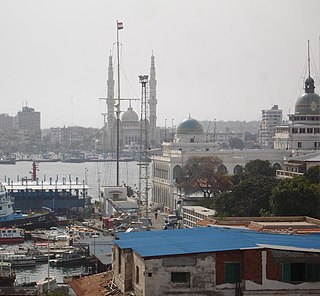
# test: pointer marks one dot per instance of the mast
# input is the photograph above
(308, 58)
(119, 27)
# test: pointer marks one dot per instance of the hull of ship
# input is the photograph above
(11, 240)
(44, 221)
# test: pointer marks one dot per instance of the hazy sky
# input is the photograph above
(226, 60)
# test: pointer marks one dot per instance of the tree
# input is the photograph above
(259, 167)
(236, 143)
(248, 198)
(294, 197)
(201, 174)
(313, 174)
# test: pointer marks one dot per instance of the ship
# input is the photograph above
(64, 197)
(10, 218)
(11, 235)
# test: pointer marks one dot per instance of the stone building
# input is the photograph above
(216, 261)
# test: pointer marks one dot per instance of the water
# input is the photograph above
(91, 172)
(40, 271)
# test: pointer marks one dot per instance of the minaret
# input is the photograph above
(153, 104)
(110, 106)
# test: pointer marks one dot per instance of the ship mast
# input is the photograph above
(119, 27)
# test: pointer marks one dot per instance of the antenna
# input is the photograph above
(309, 58)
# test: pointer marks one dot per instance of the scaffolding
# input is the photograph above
(144, 147)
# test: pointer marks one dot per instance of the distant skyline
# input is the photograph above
(223, 60)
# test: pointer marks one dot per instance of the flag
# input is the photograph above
(120, 25)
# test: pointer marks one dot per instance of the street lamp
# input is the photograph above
(165, 130)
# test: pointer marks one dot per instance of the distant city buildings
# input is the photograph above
(270, 118)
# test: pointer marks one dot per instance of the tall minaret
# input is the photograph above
(153, 105)
(110, 106)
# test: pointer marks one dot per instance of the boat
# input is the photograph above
(40, 256)
(68, 258)
(7, 275)
(7, 160)
(53, 235)
(32, 220)
(60, 197)
(11, 236)
(18, 260)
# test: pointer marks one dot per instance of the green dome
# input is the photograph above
(190, 126)
(308, 103)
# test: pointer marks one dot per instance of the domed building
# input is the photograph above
(190, 131)
(130, 127)
(303, 131)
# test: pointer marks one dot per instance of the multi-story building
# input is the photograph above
(7, 123)
(28, 121)
(270, 118)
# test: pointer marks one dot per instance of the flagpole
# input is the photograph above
(118, 107)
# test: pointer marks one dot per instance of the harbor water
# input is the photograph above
(92, 173)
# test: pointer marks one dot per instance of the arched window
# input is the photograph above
(176, 174)
(276, 166)
(222, 169)
(237, 169)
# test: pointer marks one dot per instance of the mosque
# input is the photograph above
(300, 137)
(129, 129)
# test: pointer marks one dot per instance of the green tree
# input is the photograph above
(297, 196)
(236, 143)
(201, 174)
(259, 167)
(248, 198)
(313, 174)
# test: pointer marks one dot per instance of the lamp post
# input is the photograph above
(165, 130)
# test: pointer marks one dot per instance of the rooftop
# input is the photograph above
(211, 239)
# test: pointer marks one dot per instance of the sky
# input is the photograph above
(215, 59)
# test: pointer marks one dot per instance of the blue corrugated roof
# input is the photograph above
(208, 239)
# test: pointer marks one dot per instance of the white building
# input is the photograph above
(303, 131)
(190, 142)
(270, 118)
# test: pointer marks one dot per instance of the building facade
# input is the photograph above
(270, 118)
(190, 142)
(216, 261)
(28, 121)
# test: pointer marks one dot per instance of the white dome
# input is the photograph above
(130, 116)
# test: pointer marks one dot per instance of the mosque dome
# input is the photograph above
(130, 116)
(189, 126)
(309, 102)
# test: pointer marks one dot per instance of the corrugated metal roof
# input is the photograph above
(208, 239)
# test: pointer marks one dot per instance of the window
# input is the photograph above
(302, 130)
(300, 272)
(294, 130)
(299, 145)
(309, 130)
(315, 145)
(137, 274)
(232, 273)
(180, 277)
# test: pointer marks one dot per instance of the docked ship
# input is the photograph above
(61, 197)
(11, 236)
(10, 218)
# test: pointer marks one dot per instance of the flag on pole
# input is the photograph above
(120, 25)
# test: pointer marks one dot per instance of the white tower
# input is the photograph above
(153, 136)
(111, 140)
